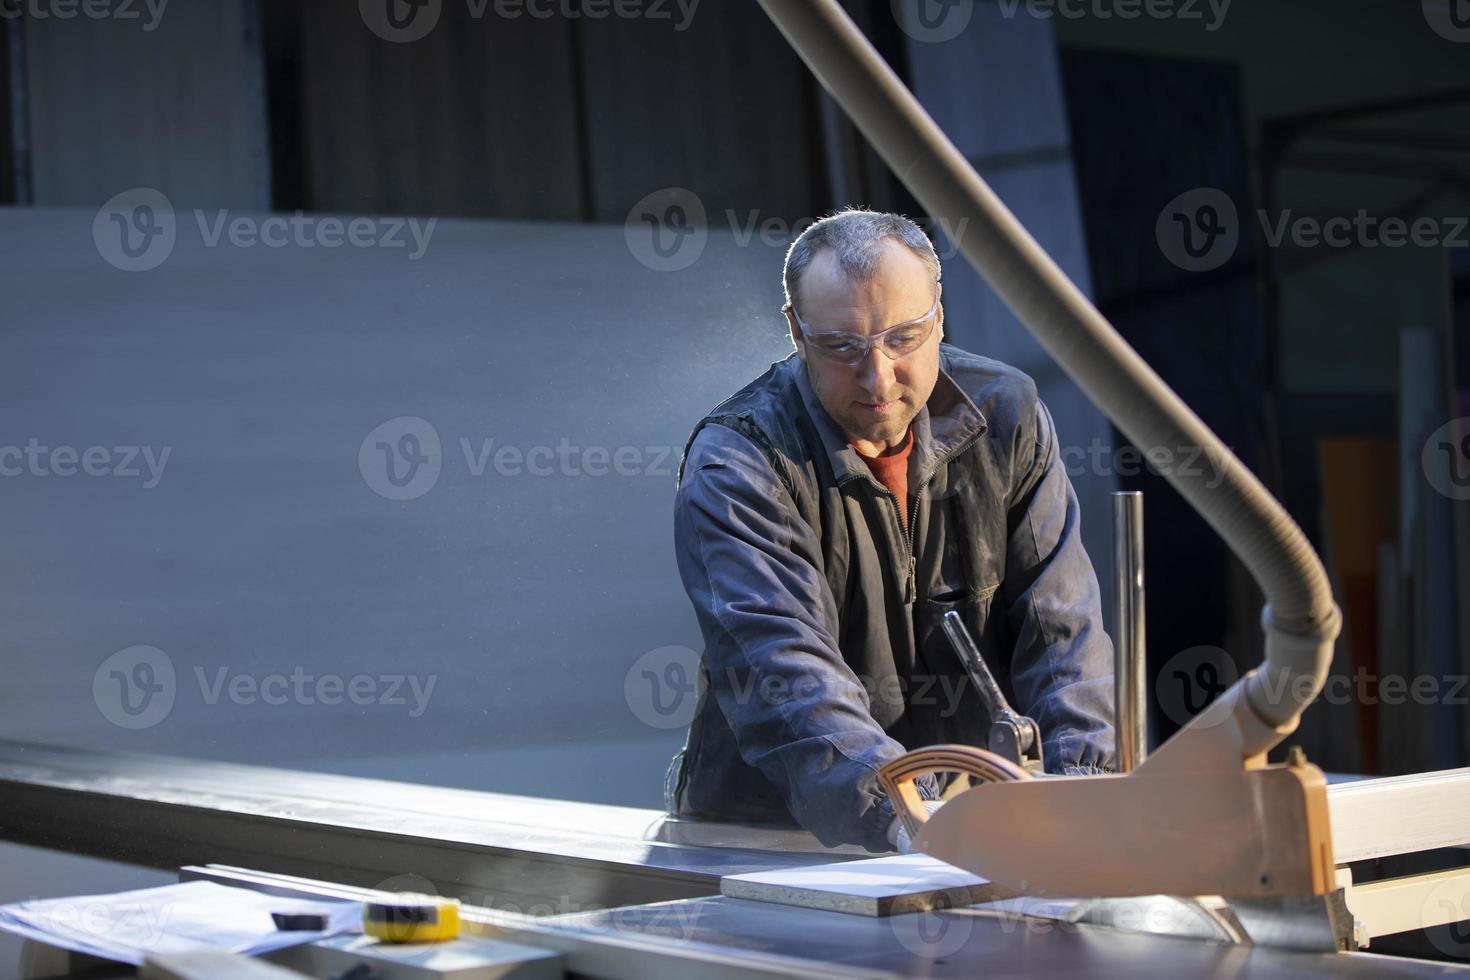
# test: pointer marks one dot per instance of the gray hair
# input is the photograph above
(857, 237)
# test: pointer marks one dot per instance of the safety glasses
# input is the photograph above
(898, 341)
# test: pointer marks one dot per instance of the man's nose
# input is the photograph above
(875, 373)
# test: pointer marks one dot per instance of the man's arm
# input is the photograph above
(753, 570)
(1062, 665)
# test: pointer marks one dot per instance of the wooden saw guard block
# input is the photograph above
(1254, 833)
(1197, 818)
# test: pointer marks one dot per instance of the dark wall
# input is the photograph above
(559, 118)
(1460, 289)
(1178, 125)
(724, 108)
(444, 124)
(10, 93)
(173, 102)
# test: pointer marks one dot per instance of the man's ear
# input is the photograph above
(795, 332)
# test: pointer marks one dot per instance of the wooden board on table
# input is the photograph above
(875, 887)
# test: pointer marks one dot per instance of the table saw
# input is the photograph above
(623, 892)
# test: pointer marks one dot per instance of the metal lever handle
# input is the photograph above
(1013, 736)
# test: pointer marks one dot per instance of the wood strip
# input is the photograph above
(1412, 902)
(1373, 818)
(877, 887)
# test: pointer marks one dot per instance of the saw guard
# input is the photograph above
(1198, 818)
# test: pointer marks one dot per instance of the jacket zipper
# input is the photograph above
(911, 587)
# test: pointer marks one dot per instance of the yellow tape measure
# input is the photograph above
(411, 918)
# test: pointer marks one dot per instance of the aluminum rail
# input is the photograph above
(1300, 619)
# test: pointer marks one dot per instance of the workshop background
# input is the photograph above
(347, 351)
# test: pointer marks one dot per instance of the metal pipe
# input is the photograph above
(1130, 685)
(1300, 619)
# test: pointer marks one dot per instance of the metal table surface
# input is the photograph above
(967, 943)
(722, 937)
(486, 848)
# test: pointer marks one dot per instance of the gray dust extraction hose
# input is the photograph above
(1300, 619)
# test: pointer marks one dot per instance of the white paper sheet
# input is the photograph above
(182, 918)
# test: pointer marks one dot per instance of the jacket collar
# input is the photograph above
(948, 420)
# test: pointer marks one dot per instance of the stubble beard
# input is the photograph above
(887, 430)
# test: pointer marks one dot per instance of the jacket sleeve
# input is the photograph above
(1062, 665)
(753, 570)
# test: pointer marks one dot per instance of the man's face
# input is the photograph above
(875, 399)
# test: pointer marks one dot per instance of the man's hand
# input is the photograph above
(898, 834)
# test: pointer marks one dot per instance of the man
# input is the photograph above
(831, 511)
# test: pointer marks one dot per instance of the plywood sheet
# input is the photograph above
(877, 886)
